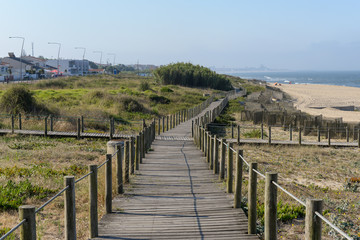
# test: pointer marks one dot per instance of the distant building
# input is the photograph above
(70, 67)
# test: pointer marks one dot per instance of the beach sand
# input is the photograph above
(321, 99)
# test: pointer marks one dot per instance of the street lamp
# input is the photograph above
(114, 57)
(83, 58)
(100, 55)
(22, 47)
(58, 65)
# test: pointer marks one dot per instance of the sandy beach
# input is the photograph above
(324, 99)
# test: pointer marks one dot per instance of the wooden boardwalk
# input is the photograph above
(174, 196)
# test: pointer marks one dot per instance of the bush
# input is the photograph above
(131, 105)
(159, 99)
(144, 85)
(255, 133)
(166, 90)
(17, 100)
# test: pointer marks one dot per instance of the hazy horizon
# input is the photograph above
(302, 35)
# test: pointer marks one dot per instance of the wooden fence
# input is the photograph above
(220, 156)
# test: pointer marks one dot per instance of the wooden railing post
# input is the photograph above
(69, 208)
(167, 123)
(132, 155)
(329, 137)
(20, 123)
(51, 122)
(312, 222)
(82, 124)
(238, 134)
(159, 126)
(270, 206)
(78, 129)
(141, 146)
(163, 124)
(45, 128)
(192, 128)
(262, 131)
(142, 151)
(93, 206)
(211, 153)
(232, 131)
(137, 152)
(291, 132)
(222, 159)
(269, 135)
(358, 137)
(300, 136)
(216, 155)
(28, 229)
(126, 161)
(108, 184)
(229, 169)
(318, 134)
(252, 192)
(238, 179)
(12, 123)
(347, 133)
(111, 130)
(119, 169)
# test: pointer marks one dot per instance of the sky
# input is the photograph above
(280, 34)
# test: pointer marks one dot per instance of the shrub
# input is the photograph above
(159, 99)
(12, 195)
(131, 105)
(94, 96)
(17, 100)
(255, 133)
(166, 90)
(144, 85)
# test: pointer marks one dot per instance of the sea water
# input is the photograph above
(340, 78)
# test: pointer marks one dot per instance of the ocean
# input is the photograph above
(339, 78)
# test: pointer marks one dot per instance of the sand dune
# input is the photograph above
(324, 99)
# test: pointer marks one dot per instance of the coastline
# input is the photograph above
(331, 101)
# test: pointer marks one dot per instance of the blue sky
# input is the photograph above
(297, 35)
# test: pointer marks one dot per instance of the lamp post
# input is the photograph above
(100, 55)
(83, 58)
(58, 65)
(113, 54)
(22, 48)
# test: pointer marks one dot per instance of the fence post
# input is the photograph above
(238, 179)
(163, 124)
(347, 133)
(270, 206)
(232, 130)
(328, 133)
(111, 129)
(216, 155)
(318, 134)
(51, 122)
(12, 123)
(119, 169)
(20, 125)
(300, 136)
(28, 229)
(159, 126)
(82, 124)
(262, 131)
(78, 129)
(192, 128)
(238, 134)
(108, 184)
(45, 128)
(222, 159)
(167, 123)
(132, 155)
(312, 222)
(229, 169)
(208, 146)
(358, 138)
(69, 208)
(252, 198)
(141, 144)
(126, 161)
(137, 152)
(93, 206)
(269, 135)
(291, 132)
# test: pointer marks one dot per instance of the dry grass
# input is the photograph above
(53, 155)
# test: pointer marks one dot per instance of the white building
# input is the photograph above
(70, 67)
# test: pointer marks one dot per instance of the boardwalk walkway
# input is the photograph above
(174, 196)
